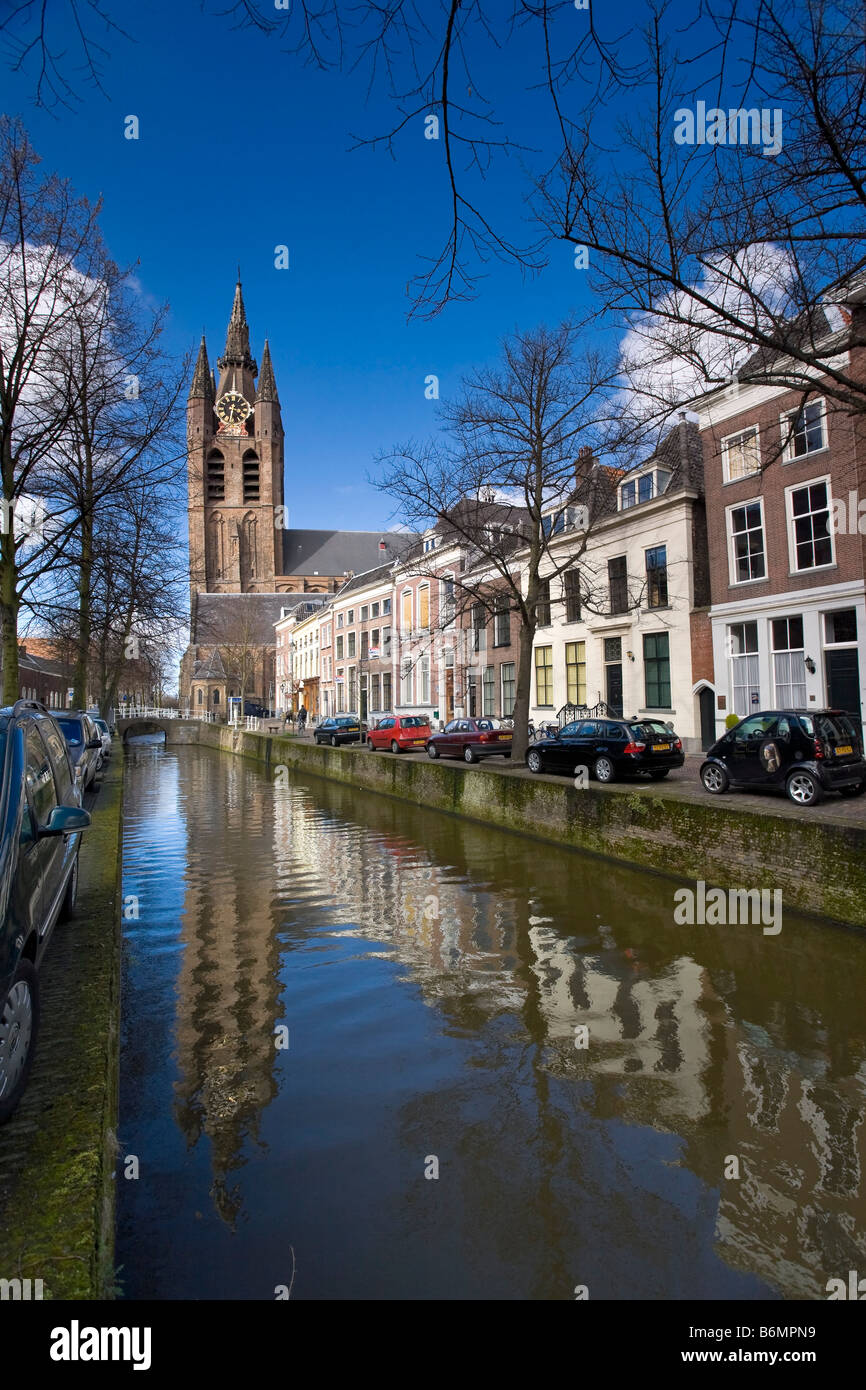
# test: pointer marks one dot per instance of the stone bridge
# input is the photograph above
(175, 730)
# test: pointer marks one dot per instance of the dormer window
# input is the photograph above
(429, 544)
(643, 488)
(741, 455)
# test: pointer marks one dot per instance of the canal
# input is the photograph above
(330, 996)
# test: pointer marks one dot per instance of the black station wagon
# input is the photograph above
(802, 752)
(40, 817)
(609, 748)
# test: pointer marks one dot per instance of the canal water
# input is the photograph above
(329, 997)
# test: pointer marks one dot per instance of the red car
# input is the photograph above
(400, 732)
(470, 739)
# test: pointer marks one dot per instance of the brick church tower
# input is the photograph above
(235, 468)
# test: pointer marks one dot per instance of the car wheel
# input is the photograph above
(67, 907)
(533, 761)
(853, 791)
(714, 778)
(19, 1025)
(658, 773)
(370, 747)
(395, 747)
(432, 750)
(468, 755)
(803, 788)
(333, 740)
(604, 770)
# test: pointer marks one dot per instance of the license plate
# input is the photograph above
(506, 735)
(843, 748)
(417, 741)
(661, 748)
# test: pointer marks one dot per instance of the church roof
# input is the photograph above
(211, 669)
(267, 387)
(336, 552)
(237, 620)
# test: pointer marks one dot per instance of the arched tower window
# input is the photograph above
(251, 476)
(249, 549)
(216, 477)
(216, 556)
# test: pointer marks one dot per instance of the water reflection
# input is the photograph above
(433, 975)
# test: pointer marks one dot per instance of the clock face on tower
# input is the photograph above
(232, 408)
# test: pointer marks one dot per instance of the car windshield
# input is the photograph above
(71, 731)
(415, 721)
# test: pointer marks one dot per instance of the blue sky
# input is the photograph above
(241, 149)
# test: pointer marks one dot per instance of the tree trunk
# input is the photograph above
(9, 612)
(522, 694)
(82, 659)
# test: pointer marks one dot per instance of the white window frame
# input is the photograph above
(789, 514)
(725, 443)
(735, 581)
(788, 456)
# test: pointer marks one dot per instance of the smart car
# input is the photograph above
(805, 753)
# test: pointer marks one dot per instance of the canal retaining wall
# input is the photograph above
(818, 863)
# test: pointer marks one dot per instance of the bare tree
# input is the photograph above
(59, 46)
(522, 451)
(49, 245)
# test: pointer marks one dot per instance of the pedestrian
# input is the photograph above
(302, 719)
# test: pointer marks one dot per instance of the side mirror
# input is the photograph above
(65, 820)
(94, 743)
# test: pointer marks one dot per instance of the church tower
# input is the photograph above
(235, 468)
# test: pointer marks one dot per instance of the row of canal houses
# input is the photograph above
(727, 574)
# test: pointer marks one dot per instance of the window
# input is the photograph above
(406, 612)
(571, 591)
(617, 577)
(374, 637)
(406, 683)
(741, 455)
(424, 606)
(341, 692)
(479, 618)
(657, 577)
(386, 690)
(575, 673)
(199, 692)
(840, 627)
(216, 478)
(542, 606)
(645, 487)
(508, 690)
(216, 697)
(60, 761)
(340, 648)
(365, 645)
(386, 643)
(657, 670)
(544, 675)
(353, 688)
(804, 430)
(386, 605)
(374, 611)
(502, 622)
(747, 543)
(351, 648)
(811, 543)
(350, 617)
(374, 693)
(251, 477)
(448, 605)
(488, 691)
(789, 663)
(339, 620)
(628, 495)
(424, 673)
(39, 778)
(745, 679)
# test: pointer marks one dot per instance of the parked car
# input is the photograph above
(400, 732)
(105, 732)
(802, 752)
(85, 746)
(609, 748)
(471, 739)
(342, 728)
(40, 820)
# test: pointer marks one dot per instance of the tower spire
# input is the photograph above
(267, 387)
(237, 350)
(202, 381)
